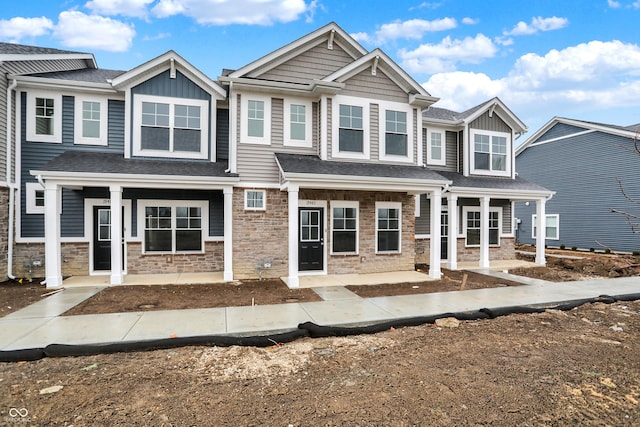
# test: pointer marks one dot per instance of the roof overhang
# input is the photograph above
(314, 88)
(70, 85)
(511, 194)
(84, 179)
(50, 57)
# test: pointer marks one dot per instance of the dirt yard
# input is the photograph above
(579, 367)
(556, 368)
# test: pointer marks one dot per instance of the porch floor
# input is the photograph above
(149, 279)
(360, 279)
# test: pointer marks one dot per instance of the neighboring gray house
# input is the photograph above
(16, 59)
(582, 161)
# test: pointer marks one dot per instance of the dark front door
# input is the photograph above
(444, 234)
(311, 239)
(101, 238)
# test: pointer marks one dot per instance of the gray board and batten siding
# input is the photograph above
(451, 151)
(582, 170)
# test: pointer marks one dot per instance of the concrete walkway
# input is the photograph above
(40, 324)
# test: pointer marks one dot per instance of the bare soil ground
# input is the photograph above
(579, 367)
(555, 368)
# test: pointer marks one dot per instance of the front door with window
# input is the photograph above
(102, 238)
(311, 239)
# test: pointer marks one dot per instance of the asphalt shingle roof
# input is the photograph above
(89, 75)
(298, 163)
(20, 49)
(496, 183)
(115, 163)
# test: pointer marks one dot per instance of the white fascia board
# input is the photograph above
(49, 57)
(69, 85)
(136, 180)
(474, 192)
(305, 180)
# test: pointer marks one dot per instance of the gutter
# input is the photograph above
(12, 186)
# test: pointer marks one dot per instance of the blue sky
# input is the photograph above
(571, 58)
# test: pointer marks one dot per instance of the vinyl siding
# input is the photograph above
(451, 151)
(374, 131)
(582, 170)
(315, 63)
(559, 130)
(495, 123)
(222, 135)
(36, 154)
(256, 162)
(380, 86)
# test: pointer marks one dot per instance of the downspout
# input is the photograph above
(12, 186)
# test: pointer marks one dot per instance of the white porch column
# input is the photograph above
(116, 235)
(541, 231)
(53, 262)
(484, 232)
(228, 234)
(435, 241)
(452, 256)
(294, 281)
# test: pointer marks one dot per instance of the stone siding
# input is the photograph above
(211, 260)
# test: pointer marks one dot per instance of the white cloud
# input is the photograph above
(538, 24)
(75, 29)
(361, 37)
(469, 21)
(426, 5)
(636, 4)
(442, 57)
(158, 36)
(15, 29)
(137, 8)
(225, 12)
(613, 4)
(412, 29)
(590, 76)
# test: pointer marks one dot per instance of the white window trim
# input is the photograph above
(244, 115)
(390, 205)
(472, 150)
(443, 139)
(466, 209)
(547, 216)
(57, 117)
(78, 138)
(30, 198)
(308, 122)
(172, 101)
(346, 204)
(203, 204)
(264, 200)
(382, 125)
(335, 134)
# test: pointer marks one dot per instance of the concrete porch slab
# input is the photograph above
(149, 279)
(360, 279)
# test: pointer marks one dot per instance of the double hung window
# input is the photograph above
(490, 152)
(436, 149)
(174, 227)
(396, 133)
(351, 129)
(44, 117)
(552, 226)
(388, 226)
(90, 121)
(344, 226)
(297, 123)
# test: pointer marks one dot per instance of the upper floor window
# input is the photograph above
(490, 152)
(255, 119)
(44, 117)
(90, 121)
(396, 133)
(297, 123)
(171, 127)
(351, 134)
(436, 154)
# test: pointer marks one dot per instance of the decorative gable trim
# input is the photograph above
(168, 61)
(330, 34)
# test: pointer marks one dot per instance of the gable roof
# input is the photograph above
(21, 52)
(624, 131)
(88, 75)
(168, 60)
(493, 105)
(330, 33)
